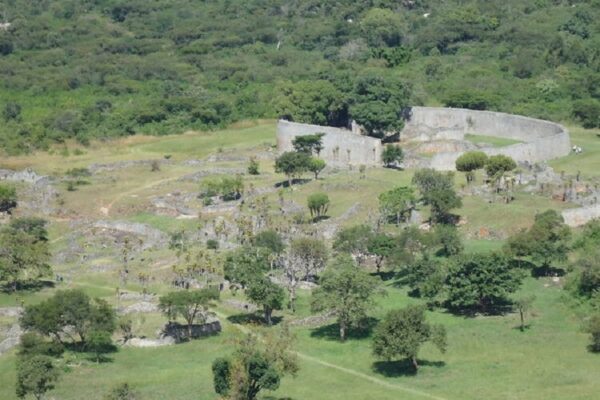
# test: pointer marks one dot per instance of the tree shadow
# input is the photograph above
(525, 328)
(386, 275)
(295, 181)
(493, 310)
(321, 218)
(252, 319)
(99, 360)
(27, 287)
(394, 369)
(332, 331)
(547, 271)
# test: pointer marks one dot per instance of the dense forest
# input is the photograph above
(84, 69)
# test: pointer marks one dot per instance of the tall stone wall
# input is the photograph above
(341, 147)
(543, 140)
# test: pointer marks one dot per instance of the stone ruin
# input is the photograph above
(435, 138)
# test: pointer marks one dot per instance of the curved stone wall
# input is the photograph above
(542, 140)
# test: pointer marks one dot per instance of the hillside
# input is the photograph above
(107, 68)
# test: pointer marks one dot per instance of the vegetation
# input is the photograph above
(8, 198)
(470, 162)
(392, 155)
(318, 203)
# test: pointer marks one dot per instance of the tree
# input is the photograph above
(469, 162)
(472, 100)
(396, 204)
(546, 242)
(227, 187)
(481, 281)
(8, 198)
(318, 203)
(314, 102)
(254, 367)
(35, 375)
(12, 111)
(316, 165)
(269, 239)
(402, 333)
(437, 191)
(266, 294)
(253, 167)
(122, 391)
(305, 259)
(382, 27)
(348, 292)
(99, 343)
(523, 305)
(69, 312)
(588, 112)
(33, 344)
(24, 252)
(392, 155)
(353, 240)
(378, 104)
(381, 246)
(593, 328)
(245, 264)
(426, 278)
(292, 164)
(191, 305)
(498, 165)
(309, 144)
(448, 238)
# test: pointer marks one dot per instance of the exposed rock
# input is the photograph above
(143, 342)
(141, 307)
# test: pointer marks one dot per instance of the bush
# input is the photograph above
(588, 112)
(318, 203)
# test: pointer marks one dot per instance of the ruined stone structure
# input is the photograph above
(443, 130)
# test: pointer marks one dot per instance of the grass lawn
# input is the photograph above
(492, 141)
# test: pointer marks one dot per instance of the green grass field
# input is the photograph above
(487, 357)
(492, 141)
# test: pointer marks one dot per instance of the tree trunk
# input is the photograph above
(342, 332)
(414, 362)
(289, 181)
(522, 320)
(268, 312)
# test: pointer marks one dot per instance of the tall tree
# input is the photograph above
(191, 305)
(396, 204)
(347, 291)
(35, 375)
(381, 246)
(402, 333)
(266, 294)
(292, 164)
(437, 191)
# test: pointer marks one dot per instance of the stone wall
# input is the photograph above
(580, 216)
(341, 147)
(543, 140)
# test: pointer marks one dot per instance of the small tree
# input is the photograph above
(448, 238)
(396, 204)
(8, 198)
(309, 143)
(437, 191)
(353, 240)
(191, 305)
(381, 246)
(318, 203)
(469, 162)
(267, 294)
(253, 167)
(593, 328)
(122, 391)
(402, 333)
(316, 165)
(347, 291)
(523, 305)
(292, 164)
(498, 165)
(35, 375)
(392, 155)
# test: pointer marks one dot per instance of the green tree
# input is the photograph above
(318, 203)
(310, 144)
(396, 204)
(292, 164)
(245, 264)
(253, 167)
(35, 375)
(33, 344)
(266, 294)
(469, 162)
(523, 305)
(426, 278)
(481, 281)
(392, 155)
(448, 238)
(381, 246)
(382, 27)
(316, 165)
(545, 243)
(347, 291)
(269, 239)
(353, 240)
(588, 112)
(191, 305)
(378, 104)
(593, 328)
(402, 333)
(498, 165)
(8, 198)
(437, 191)
(24, 253)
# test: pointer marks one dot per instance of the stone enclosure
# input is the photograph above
(442, 131)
